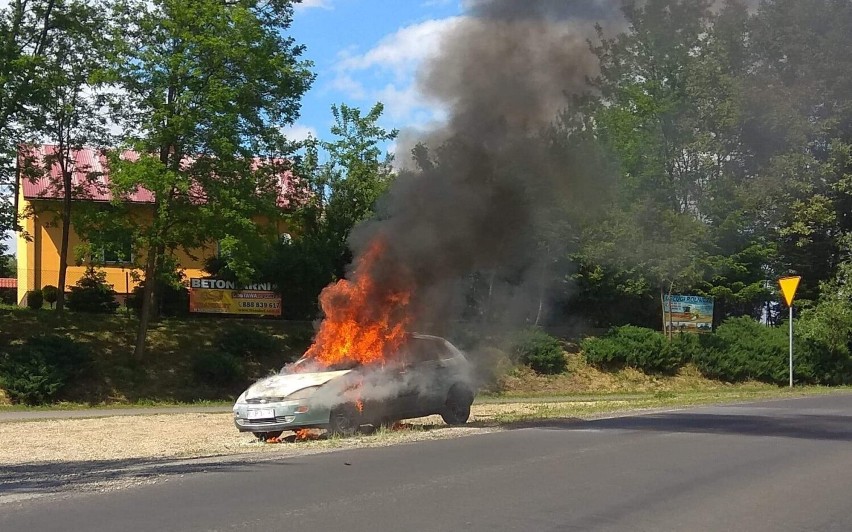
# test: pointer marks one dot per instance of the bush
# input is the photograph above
(174, 300)
(540, 351)
(8, 296)
(35, 299)
(219, 369)
(244, 342)
(823, 336)
(644, 349)
(743, 349)
(50, 293)
(92, 294)
(37, 371)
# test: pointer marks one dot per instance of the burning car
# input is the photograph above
(426, 375)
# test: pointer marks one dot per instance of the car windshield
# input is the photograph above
(309, 365)
(416, 350)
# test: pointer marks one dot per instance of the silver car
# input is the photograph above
(427, 376)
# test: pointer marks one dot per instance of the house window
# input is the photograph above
(117, 252)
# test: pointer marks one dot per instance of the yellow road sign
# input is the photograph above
(788, 288)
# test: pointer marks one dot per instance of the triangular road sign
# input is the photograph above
(788, 288)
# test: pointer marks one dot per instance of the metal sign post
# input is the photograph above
(788, 289)
(791, 346)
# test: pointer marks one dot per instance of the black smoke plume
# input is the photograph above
(472, 229)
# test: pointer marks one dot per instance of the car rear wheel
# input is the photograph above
(457, 407)
(344, 420)
(263, 436)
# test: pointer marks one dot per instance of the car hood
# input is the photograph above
(284, 385)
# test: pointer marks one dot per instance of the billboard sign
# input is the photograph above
(688, 313)
(217, 296)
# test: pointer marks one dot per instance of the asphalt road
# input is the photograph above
(779, 465)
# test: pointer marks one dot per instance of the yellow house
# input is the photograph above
(38, 204)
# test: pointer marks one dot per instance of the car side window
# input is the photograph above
(427, 350)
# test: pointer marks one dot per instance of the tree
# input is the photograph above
(342, 192)
(671, 111)
(67, 112)
(6, 262)
(207, 87)
(799, 125)
(25, 29)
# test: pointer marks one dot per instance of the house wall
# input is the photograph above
(38, 253)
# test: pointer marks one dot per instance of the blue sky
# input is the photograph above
(365, 51)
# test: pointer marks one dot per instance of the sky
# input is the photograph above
(366, 51)
(363, 52)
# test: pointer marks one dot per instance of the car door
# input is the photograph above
(429, 375)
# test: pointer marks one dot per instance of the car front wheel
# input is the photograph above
(344, 420)
(457, 407)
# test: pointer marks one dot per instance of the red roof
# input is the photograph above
(91, 176)
(8, 282)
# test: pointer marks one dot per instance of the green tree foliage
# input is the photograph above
(799, 130)
(207, 88)
(670, 111)
(341, 192)
(172, 294)
(92, 294)
(7, 262)
(26, 27)
(65, 112)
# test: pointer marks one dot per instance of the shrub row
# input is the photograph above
(538, 350)
(91, 294)
(636, 347)
(740, 350)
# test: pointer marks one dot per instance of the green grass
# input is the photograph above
(165, 378)
(593, 406)
(165, 375)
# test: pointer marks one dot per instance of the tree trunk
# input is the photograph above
(486, 314)
(147, 303)
(155, 253)
(540, 306)
(668, 329)
(63, 249)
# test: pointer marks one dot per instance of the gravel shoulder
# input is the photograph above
(70, 455)
(199, 434)
(65, 457)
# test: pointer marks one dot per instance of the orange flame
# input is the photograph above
(366, 319)
(307, 434)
